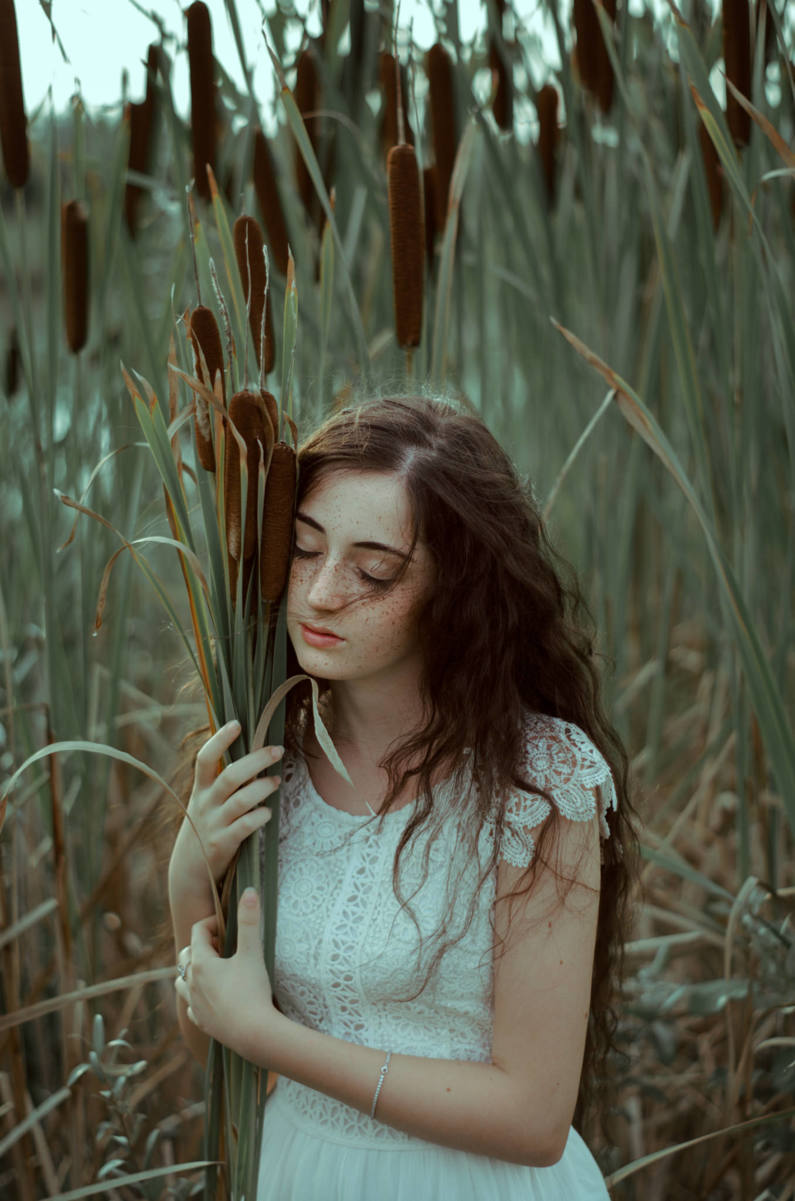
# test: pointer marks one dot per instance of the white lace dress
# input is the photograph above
(346, 953)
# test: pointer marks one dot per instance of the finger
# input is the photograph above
(248, 939)
(182, 989)
(250, 796)
(244, 770)
(201, 939)
(192, 1016)
(255, 819)
(213, 750)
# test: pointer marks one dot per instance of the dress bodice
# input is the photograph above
(349, 957)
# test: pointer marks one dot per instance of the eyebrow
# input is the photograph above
(391, 550)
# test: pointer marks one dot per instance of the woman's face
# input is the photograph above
(353, 536)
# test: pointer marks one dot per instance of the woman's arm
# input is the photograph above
(518, 1107)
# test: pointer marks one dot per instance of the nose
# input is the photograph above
(327, 587)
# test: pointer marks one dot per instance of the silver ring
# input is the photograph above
(182, 971)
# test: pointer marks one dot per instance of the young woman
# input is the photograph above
(449, 928)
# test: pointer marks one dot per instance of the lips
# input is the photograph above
(319, 636)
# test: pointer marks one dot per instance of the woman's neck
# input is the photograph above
(368, 718)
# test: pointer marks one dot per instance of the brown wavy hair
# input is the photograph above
(505, 595)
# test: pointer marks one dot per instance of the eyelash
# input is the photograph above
(373, 581)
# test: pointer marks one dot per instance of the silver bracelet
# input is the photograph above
(384, 1070)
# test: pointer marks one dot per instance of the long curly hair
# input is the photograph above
(504, 594)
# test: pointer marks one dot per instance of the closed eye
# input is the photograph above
(374, 581)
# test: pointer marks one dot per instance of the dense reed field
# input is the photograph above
(600, 258)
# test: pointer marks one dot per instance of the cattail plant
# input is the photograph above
(202, 94)
(391, 133)
(74, 265)
(209, 365)
(443, 124)
(141, 120)
(12, 364)
(713, 172)
(250, 253)
(277, 520)
(502, 84)
(593, 61)
(547, 106)
(737, 59)
(307, 95)
(13, 126)
(269, 201)
(248, 415)
(429, 202)
(407, 240)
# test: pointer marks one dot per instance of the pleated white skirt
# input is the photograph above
(303, 1162)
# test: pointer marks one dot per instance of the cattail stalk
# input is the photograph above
(270, 203)
(429, 203)
(277, 522)
(547, 106)
(74, 264)
(250, 254)
(248, 415)
(208, 357)
(443, 124)
(202, 94)
(737, 59)
(407, 239)
(13, 125)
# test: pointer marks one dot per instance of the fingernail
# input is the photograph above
(249, 897)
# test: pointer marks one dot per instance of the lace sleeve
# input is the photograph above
(562, 760)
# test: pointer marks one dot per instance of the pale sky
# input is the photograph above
(102, 37)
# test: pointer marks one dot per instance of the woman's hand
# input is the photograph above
(230, 999)
(224, 807)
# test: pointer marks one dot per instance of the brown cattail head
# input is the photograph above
(443, 124)
(390, 132)
(502, 84)
(606, 81)
(13, 126)
(74, 264)
(737, 59)
(250, 253)
(202, 93)
(547, 106)
(270, 203)
(206, 342)
(586, 24)
(593, 61)
(407, 239)
(141, 121)
(12, 364)
(248, 415)
(277, 522)
(713, 172)
(307, 96)
(272, 409)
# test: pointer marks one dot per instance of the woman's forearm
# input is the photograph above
(470, 1106)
